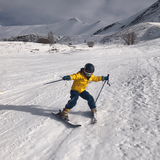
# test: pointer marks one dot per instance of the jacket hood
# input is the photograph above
(82, 71)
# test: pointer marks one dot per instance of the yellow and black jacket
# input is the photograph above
(81, 81)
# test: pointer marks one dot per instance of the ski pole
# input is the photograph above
(102, 88)
(54, 81)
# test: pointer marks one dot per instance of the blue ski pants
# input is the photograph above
(74, 95)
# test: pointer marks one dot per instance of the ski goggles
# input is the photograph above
(88, 73)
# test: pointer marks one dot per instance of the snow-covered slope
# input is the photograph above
(151, 14)
(66, 28)
(144, 32)
(128, 111)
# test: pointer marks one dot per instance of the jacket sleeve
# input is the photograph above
(76, 76)
(97, 78)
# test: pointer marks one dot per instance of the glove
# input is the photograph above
(104, 78)
(66, 78)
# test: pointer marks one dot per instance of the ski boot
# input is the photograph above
(94, 115)
(64, 114)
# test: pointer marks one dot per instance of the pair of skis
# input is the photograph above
(93, 120)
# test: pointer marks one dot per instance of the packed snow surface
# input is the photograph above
(128, 125)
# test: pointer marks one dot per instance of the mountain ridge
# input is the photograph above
(75, 26)
(150, 14)
(70, 27)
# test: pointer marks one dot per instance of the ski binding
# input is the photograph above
(66, 120)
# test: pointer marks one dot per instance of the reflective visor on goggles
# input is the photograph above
(88, 73)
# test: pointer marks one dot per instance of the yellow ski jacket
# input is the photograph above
(81, 81)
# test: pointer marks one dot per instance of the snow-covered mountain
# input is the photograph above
(70, 27)
(74, 26)
(151, 14)
(144, 32)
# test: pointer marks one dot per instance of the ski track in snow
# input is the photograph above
(128, 111)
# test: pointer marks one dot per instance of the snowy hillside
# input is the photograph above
(74, 29)
(144, 32)
(128, 111)
(145, 24)
(66, 28)
(151, 14)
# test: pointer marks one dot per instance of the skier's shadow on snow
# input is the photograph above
(34, 110)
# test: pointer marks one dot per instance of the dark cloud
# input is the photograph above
(23, 12)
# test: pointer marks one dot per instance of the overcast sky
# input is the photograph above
(27, 12)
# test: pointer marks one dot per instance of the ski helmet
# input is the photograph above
(89, 68)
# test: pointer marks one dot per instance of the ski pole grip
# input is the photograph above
(108, 77)
(108, 80)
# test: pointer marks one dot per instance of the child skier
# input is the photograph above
(81, 81)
